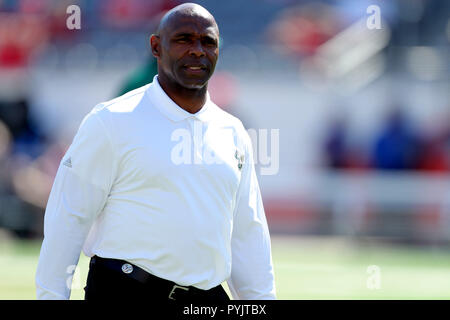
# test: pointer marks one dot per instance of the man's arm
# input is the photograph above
(78, 195)
(252, 275)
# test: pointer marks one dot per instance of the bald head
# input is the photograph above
(186, 46)
(183, 12)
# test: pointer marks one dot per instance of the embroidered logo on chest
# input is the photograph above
(240, 158)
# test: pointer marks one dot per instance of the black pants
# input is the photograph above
(104, 283)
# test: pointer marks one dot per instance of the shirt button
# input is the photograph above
(127, 268)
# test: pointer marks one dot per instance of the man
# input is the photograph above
(160, 187)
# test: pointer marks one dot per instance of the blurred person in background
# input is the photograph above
(142, 76)
(23, 32)
(21, 210)
(398, 146)
(24, 195)
(27, 136)
(5, 154)
(338, 150)
(16, 214)
(335, 149)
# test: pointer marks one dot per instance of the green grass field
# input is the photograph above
(305, 268)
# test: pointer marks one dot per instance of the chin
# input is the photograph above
(193, 85)
(196, 87)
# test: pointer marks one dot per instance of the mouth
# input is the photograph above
(195, 69)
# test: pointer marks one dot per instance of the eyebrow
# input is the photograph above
(187, 34)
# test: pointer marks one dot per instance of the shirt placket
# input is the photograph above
(196, 129)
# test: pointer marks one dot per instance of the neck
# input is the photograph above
(191, 100)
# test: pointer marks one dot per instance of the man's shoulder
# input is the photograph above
(122, 104)
(107, 114)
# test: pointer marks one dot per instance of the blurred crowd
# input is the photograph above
(398, 145)
(28, 26)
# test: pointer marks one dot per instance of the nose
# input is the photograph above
(196, 49)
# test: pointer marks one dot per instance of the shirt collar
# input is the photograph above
(173, 111)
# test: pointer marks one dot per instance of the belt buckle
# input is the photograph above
(175, 286)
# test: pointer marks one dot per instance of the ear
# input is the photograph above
(155, 45)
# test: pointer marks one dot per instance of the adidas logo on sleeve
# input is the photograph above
(68, 162)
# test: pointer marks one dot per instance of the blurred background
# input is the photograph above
(359, 204)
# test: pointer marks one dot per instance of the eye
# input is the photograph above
(182, 40)
(210, 42)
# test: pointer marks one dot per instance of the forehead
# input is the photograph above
(191, 25)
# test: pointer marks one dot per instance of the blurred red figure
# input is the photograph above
(20, 35)
(436, 157)
(301, 30)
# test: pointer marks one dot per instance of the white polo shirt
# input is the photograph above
(172, 192)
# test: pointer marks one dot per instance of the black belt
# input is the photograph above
(144, 277)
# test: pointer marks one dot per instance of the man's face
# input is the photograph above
(188, 51)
